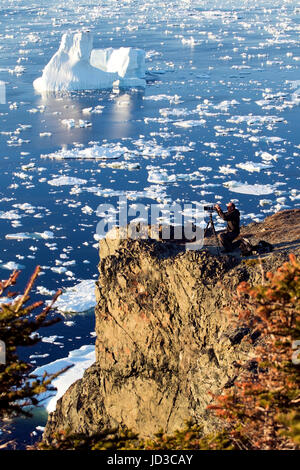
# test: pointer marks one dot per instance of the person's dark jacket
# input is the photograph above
(233, 220)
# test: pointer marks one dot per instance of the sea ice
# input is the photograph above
(80, 359)
(77, 66)
(253, 166)
(227, 170)
(78, 298)
(160, 175)
(12, 265)
(245, 188)
(256, 120)
(190, 123)
(26, 235)
(267, 156)
(66, 180)
(102, 152)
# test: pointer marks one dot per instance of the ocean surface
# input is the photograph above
(218, 121)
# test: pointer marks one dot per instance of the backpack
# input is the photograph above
(262, 247)
(245, 247)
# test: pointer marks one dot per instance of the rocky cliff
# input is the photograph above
(164, 342)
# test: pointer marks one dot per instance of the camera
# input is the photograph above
(209, 208)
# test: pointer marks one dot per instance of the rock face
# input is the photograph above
(164, 342)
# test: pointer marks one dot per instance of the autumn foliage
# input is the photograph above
(262, 410)
(19, 323)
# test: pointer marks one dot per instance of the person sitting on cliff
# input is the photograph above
(232, 217)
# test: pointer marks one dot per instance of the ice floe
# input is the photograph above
(26, 235)
(12, 265)
(77, 299)
(267, 156)
(66, 181)
(245, 188)
(160, 175)
(95, 152)
(253, 166)
(80, 359)
(255, 120)
(190, 123)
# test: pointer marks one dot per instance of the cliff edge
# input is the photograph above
(164, 342)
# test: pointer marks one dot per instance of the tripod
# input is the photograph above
(211, 223)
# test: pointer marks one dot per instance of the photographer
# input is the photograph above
(232, 217)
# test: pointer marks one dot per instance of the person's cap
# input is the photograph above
(230, 204)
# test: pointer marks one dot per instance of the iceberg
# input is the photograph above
(128, 63)
(77, 66)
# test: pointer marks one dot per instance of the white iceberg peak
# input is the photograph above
(77, 66)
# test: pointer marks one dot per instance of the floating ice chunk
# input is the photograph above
(268, 139)
(76, 66)
(18, 70)
(45, 134)
(121, 165)
(151, 149)
(17, 236)
(44, 291)
(267, 156)
(245, 188)
(174, 112)
(52, 339)
(253, 166)
(225, 105)
(28, 166)
(25, 207)
(103, 152)
(87, 210)
(70, 123)
(190, 123)
(77, 299)
(173, 99)
(59, 269)
(80, 359)
(47, 234)
(256, 120)
(265, 202)
(66, 180)
(12, 265)
(160, 175)
(10, 215)
(227, 170)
